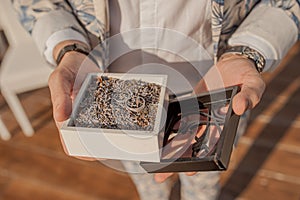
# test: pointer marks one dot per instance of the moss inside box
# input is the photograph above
(113, 103)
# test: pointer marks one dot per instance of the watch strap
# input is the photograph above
(255, 56)
(72, 47)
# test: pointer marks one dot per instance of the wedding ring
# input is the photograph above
(135, 103)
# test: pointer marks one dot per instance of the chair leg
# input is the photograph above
(4, 133)
(17, 109)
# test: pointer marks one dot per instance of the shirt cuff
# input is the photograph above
(60, 36)
(265, 30)
(51, 23)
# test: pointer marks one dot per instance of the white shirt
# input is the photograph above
(160, 21)
(191, 41)
(170, 36)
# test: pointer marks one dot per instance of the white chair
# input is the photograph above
(4, 133)
(23, 67)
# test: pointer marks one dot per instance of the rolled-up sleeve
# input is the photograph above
(269, 29)
(42, 18)
(59, 36)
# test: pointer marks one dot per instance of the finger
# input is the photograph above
(190, 173)
(161, 177)
(246, 99)
(62, 106)
(240, 103)
(60, 89)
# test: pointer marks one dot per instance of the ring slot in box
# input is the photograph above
(199, 133)
(118, 116)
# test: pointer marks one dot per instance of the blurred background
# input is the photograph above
(265, 164)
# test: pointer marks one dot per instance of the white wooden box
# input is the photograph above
(138, 145)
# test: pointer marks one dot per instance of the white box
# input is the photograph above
(138, 145)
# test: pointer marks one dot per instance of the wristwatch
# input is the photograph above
(258, 59)
(72, 47)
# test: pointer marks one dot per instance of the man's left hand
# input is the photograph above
(229, 71)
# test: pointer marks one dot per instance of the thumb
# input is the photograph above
(240, 103)
(60, 89)
(247, 98)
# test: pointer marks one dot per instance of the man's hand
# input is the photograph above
(235, 70)
(230, 71)
(65, 81)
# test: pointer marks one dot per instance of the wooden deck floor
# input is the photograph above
(265, 165)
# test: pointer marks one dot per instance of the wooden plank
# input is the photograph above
(265, 188)
(24, 189)
(292, 136)
(84, 177)
(45, 138)
(237, 155)
(4, 181)
(284, 162)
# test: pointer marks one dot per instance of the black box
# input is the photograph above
(209, 117)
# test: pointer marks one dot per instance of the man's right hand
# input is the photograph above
(65, 82)
(66, 79)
